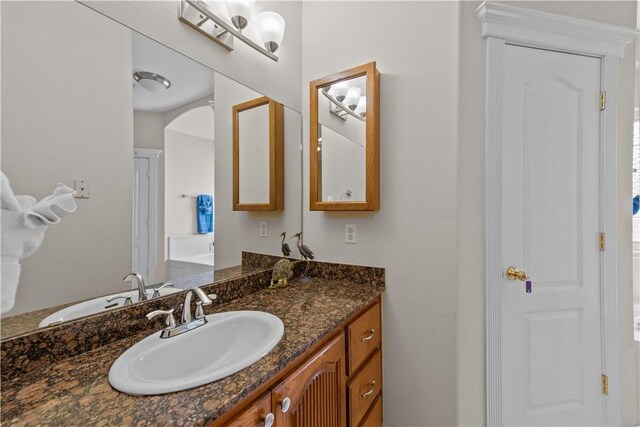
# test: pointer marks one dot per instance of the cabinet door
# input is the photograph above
(315, 391)
(258, 414)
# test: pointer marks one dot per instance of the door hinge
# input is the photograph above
(605, 385)
(603, 100)
(603, 241)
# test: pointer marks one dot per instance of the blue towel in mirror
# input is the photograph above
(636, 204)
(205, 214)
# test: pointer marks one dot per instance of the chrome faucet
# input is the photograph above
(187, 323)
(126, 298)
(156, 291)
(142, 290)
(186, 307)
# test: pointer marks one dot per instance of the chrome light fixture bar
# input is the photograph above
(342, 110)
(200, 16)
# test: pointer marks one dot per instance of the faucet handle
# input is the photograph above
(156, 291)
(170, 321)
(127, 299)
(202, 296)
(199, 310)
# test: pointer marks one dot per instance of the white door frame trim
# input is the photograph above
(502, 24)
(152, 154)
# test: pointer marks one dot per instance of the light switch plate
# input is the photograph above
(83, 188)
(350, 234)
(264, 230)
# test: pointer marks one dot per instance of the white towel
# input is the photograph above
(24, 221)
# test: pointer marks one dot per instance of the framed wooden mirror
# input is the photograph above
(258, 155)
(344, 141)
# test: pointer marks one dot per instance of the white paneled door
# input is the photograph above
(141, 205)
(551, 327)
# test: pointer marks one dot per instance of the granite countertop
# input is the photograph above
(25, 322)
(76, 391)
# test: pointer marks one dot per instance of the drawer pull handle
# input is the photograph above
(370, 391)
(285, 404)
(268, 420)
(367, 337)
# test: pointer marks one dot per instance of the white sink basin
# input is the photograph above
(228, 343)
(96, 305)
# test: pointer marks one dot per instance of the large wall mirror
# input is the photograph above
(344, 141)
(146, 134)
(258, 155)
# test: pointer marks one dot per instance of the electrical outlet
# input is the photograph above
(350, 234)
(264, 231)
(83, 188)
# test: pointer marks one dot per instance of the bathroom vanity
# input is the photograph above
(314, 392)
(326, 370)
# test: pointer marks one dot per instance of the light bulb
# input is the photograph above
(339, 90)
(271, 27)
(353, 97)
(361, 109)
(240, 12)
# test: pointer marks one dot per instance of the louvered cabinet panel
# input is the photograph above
(315, 391)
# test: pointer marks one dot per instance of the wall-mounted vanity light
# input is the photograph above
(346, 101)
(225, 21)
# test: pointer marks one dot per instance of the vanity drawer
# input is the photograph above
(363, 337)
(254, 415)
(364, 388)
(374, 417)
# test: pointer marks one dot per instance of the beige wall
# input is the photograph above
(60, 123)
(470, 389)
(414, 234)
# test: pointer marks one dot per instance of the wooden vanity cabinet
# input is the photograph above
(316, 391)
(254, 414)
(374, 416)
(338, 385)
(364, 353)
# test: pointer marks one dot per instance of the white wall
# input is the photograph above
(343, 167)
(342, 154)
(253, 150)
(470, 306)
(159, 21)
(238, 231)
(189, 169)
(148, 132)
(415, 232)
(59, 124)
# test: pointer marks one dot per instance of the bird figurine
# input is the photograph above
(304, 249)
(286, 250)
(307, 255)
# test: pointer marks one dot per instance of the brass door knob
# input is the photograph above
(515, 274)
